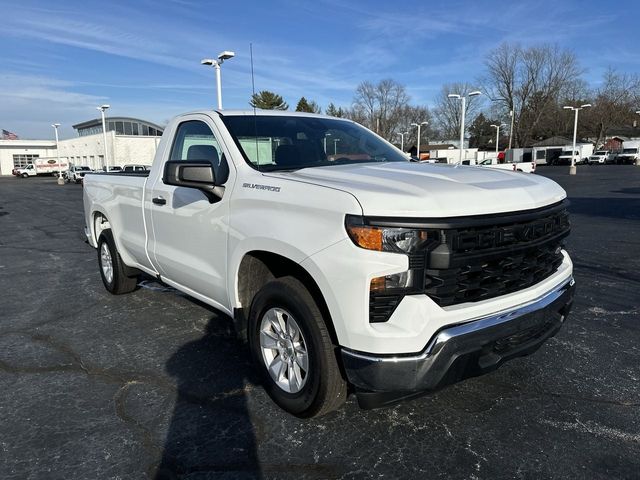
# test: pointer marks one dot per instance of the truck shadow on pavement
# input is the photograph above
(210, 433)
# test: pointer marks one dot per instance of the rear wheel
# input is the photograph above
(112, 269)
(292, 347)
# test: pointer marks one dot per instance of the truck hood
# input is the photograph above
(402, 189)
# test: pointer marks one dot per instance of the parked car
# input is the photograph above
(76, 173)
(599, 157)
(527, 167)
(134, 168)
(612, 157)
(392, 276)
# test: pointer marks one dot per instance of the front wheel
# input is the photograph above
(292, 347)
(112, 269)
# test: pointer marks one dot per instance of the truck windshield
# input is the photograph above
(630, 150)
(290, 142)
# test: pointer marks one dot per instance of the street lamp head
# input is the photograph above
(638, 112)
(414, 124)
(567, 107)
(55, 125)
(208, 61)
(453, 95)
(586, 105)
(474, 93)
(424, 123)
(226, 55)
(103, 107)
(494, 126)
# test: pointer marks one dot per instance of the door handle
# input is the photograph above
(159, 200)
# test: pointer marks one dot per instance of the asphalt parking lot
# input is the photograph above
(154, 385)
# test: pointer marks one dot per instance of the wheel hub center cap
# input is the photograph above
(286, 348)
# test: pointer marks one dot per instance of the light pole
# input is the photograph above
(573, 169)
(60, 179)
(102, 109)
(418, 146)
(497, 127)
(402, 134)
(325, 142)
(222, 56)
(335, 145)
(463, 99)
(511, 129)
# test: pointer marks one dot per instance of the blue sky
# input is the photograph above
(59, 59)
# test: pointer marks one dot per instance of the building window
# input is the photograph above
(20, 161)
(119, 128)
(127, 128)
(145, 130)
(134, 129)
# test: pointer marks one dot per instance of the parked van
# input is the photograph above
(629, 154)
(42, 166)
(581, 154)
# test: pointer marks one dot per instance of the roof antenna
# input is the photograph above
(253, 104)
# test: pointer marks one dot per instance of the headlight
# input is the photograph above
(387, 239)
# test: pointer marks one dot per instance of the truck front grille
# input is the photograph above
(480, 280)
(489, 261)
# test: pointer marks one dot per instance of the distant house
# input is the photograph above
(552, 142)
(429, 148)
(614, 144)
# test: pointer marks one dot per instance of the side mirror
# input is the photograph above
(196, 174)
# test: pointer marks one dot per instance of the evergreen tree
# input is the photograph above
(335, 112)
(305, 106)
(267, 100)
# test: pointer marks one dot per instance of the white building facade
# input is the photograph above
(129, 141)
(20, 153)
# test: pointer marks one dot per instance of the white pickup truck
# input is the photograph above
(357, 267)
(526, 167)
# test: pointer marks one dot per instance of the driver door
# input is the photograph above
(188, 240)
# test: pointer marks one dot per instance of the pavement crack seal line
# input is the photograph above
(594, 429)
(148, 442)
(515, 390)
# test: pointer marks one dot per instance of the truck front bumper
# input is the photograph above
(463, 350)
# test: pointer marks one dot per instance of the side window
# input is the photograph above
(195, 141)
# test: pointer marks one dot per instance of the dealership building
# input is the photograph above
(129, 140)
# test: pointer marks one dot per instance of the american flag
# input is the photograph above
(7, 135)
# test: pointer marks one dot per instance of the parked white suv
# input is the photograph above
(76, 173)
(599, 157)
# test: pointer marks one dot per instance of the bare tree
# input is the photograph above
(614, 104)
(448, 111)
(415, 114)
(380, 107)
(529, 82)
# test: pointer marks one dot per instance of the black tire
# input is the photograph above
(25, 175)
(119, 282)
(324, 389)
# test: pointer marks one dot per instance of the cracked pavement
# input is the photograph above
(154, 385)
